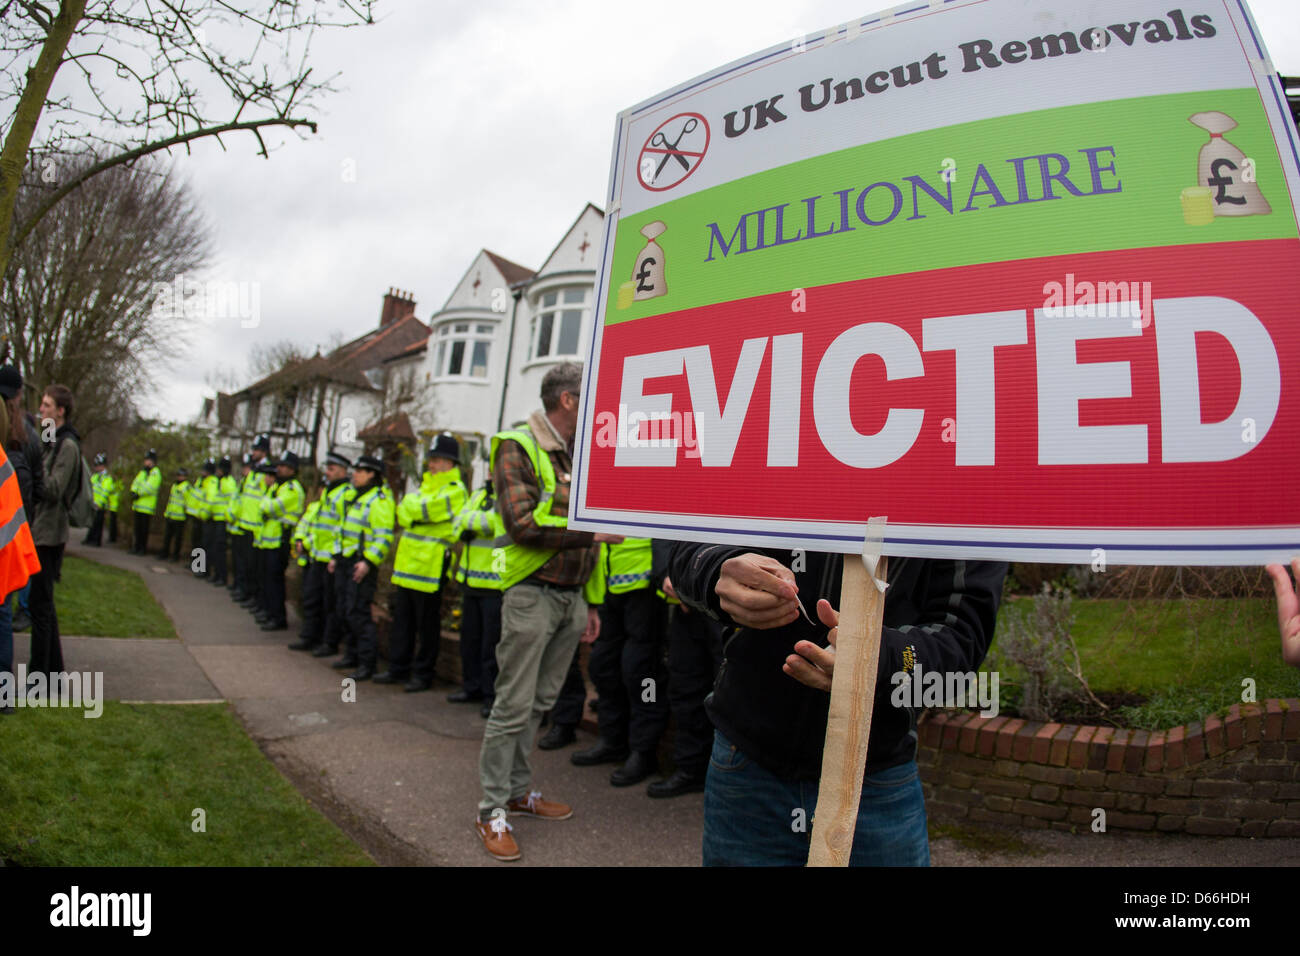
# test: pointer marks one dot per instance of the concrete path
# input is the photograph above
(399, 772)
(391, 767)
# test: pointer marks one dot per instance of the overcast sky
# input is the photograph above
(483, 125)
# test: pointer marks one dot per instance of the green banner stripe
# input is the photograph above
(999, 210)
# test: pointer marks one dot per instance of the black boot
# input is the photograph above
(560, 735)
(679, 783)
(639, 766)
(603, 752)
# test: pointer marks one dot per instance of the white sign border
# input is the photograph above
(1138, 546)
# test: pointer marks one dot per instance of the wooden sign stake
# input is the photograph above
(848, 727)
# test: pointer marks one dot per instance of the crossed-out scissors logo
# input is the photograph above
(673, 151)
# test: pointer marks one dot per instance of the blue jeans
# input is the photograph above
(6, 638)
(22, 596)
(754, 818)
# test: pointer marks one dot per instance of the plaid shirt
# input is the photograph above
(518, 493)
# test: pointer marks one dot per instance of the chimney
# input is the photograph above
(398, 304)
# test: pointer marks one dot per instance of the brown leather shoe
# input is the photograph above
(495, 834)
(534, 806)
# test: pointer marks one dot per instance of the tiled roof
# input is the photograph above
(415, 348)
(389, 428)
(347, 364)
(512, 272)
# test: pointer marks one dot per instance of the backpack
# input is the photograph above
(79, 498)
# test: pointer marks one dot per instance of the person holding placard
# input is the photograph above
(770, 702)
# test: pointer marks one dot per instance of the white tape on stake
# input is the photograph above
(872, 543)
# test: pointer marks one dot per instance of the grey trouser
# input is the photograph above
(540, 627)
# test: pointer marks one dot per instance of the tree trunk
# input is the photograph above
(13, 156)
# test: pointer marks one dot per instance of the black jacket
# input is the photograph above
(25, 455)
(938, 613)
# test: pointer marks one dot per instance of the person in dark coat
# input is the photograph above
(770, 703)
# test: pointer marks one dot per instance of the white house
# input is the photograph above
(501, 328)
(556, 314)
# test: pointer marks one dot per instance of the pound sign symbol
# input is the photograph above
(1217, 178)
(641, 284)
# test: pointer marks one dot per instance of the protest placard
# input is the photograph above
(1022, 278)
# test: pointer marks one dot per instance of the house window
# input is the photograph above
(283, 411)
(557, 327)
(250, 415)
(463, 350)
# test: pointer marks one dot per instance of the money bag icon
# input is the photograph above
(648, 274)
(1221, 167)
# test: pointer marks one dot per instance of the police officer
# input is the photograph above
(323, 627)
(266, 544)
(145, 489)
(319, 628)
(235, 531)
(478, 526)
(366, 539)
(284, 505)
(426, 517)
(194, 513)
(694, 656)
(252, 490)
(111, 488)
(99, 491)
(223, 493)
(174, 515)
(626, 665)
(204, 501)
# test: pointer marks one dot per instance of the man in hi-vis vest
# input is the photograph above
(544, 612)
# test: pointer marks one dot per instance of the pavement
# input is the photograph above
(399, 772)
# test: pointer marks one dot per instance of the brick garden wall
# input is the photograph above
(1233, 776)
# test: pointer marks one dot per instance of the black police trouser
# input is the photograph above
(629, 652)
(361, 623)
(173, 532)
(256, 561)
(316, 601)
(275, 563)
(248, 585)
(414, 613)
(480, 631)
(112, 527)
(572, 697)
(140, 538)
(214, 543)
(47, 651)
(95, 535)
(342, 572)
(237, 562)
(196, 541)
(694, 656)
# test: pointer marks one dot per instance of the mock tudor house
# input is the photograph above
(313, 404)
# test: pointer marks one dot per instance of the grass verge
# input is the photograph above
(122, 790)
(97, 600)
